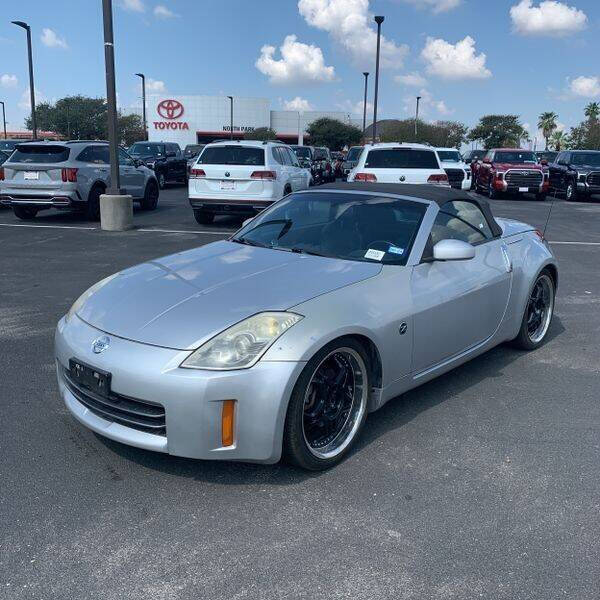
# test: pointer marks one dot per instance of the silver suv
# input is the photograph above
(70, 176)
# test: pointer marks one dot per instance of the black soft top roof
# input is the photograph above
(434, 193)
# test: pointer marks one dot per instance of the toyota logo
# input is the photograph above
(402, 178)
(170, 109)
(100, 344)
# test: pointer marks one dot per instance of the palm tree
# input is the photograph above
(592, 111)
(559, 140)
(547, 123)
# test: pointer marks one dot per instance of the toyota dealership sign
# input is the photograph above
(170, 110)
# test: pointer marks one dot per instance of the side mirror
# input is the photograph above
(137, 163)
(544, 162)
(453, 250)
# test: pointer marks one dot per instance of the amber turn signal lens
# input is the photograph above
(227, 422)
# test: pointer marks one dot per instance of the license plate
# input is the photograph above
(89, 377)
(227, 185)
(31, 175)
(524, 189)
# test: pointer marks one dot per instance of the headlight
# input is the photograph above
(242, 345)
(78, 304)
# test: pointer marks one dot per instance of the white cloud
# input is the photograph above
(427, 104)
(51, 39)
(163, 12)
(133, 5)
(25, 101)
(549, 18)
(156, 86)
(355, 107)
(351, 26)
(8, 81)
(454, 61)
(588, 87)
(299, 63)
(413, 79)
(437, 6)
(297, 103)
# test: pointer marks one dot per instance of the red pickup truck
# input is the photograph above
(510, 170)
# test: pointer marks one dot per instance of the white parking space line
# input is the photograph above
(576, 243)
(187, 231)
(48, 226)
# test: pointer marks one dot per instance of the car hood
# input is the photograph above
(184, 299)
(448, 164)
(585, 168)
(518, 166)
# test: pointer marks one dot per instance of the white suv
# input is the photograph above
(458, 171)
(242, 178)
(399, 163)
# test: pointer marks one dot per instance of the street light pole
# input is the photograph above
(26, 27)
(143, 78)
(365, 105)
(111, 98)
(3, 118)
(231, 119)
(379, 21)
(417, 117)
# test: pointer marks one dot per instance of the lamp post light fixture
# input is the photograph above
(417, 116)
(3, 118)
(231, 118)
(143, 78)
(365, 105)
(379, 20)
(26, 27)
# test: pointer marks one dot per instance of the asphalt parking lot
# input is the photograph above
(481, 484)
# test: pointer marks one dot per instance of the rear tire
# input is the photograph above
(204, 217)
(92, 210)
(328, 406)
(150, 199)
(538, 313)
(25, 213)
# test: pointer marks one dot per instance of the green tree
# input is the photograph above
(559, 140)
(333, 134)
(592, 111)
(130, 129)
(578, 136)
(261, 133)
(497, 131)
(442, 133)
(547, 123)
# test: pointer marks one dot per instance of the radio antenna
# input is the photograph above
(549, 213)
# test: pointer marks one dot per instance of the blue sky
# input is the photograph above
(311, 53)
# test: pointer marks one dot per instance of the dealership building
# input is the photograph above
(203, 119)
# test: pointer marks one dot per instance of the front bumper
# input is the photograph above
(502, 185)
(192, 399)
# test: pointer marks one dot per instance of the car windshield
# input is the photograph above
(8, 144)
(3, 156)
(401, 158)
(350, 226)
(515, 157)
(586, 158)
(449, 155)
(549, 156)
(30, 153)
(301, 151)
(232, 155)
(321, 154)
(476, 154)
(354, 153)
(156, 150)
(191, 150)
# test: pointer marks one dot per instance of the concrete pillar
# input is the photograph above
(116, 212)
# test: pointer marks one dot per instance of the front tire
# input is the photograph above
(25, 213)
(571, 192)
(150, 199)
(162, 181)
(328, 406)
(203, 217)
(538, 313)
(492, 194)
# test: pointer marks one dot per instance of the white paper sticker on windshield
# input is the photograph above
(374, 254)
(395, 250)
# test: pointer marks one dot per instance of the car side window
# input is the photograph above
(293, 158)
(460, 220)
(124, 158)
(278, 156)
(98, 155)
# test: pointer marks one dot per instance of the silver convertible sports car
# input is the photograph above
(280, 340)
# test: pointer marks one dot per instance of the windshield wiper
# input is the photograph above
(249, 242)
(305, 251)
